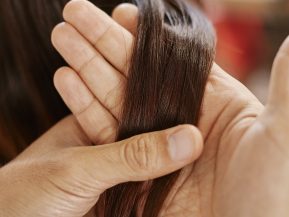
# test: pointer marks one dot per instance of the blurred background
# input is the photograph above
(249, 35)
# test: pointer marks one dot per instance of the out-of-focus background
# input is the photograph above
(249, 35)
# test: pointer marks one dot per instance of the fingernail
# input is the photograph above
(181, 145)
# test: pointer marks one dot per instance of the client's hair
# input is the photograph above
(29, 103)
(173, 54)
(172, 58)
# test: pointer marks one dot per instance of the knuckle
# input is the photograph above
(141, 153)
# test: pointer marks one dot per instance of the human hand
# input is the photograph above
(253, 179)
(59, 175)
(232, 117)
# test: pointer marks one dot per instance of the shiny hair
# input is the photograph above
(172, 58)
(173, 54)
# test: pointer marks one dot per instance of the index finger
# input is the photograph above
(113, 41)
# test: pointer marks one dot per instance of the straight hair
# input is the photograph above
(172, 58)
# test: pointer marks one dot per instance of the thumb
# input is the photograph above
(142, 157)
(279, 87)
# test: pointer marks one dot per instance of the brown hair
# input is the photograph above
(172, 58)
(173, 54)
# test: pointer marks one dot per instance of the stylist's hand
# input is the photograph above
(60, 176)
(244, 168)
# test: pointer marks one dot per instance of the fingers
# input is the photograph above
(279, 87)
(140, 158)
(109, 38)
(126, 15)
(96, 121)
(102, 79)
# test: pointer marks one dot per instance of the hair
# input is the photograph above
(172, 58)
(173, 54)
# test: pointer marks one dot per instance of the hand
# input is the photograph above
(59, 175)
(253, 178)
(234, 123)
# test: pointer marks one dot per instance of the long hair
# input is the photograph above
(172, 58)
(173, 54)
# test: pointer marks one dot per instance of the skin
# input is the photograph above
(244, 167)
